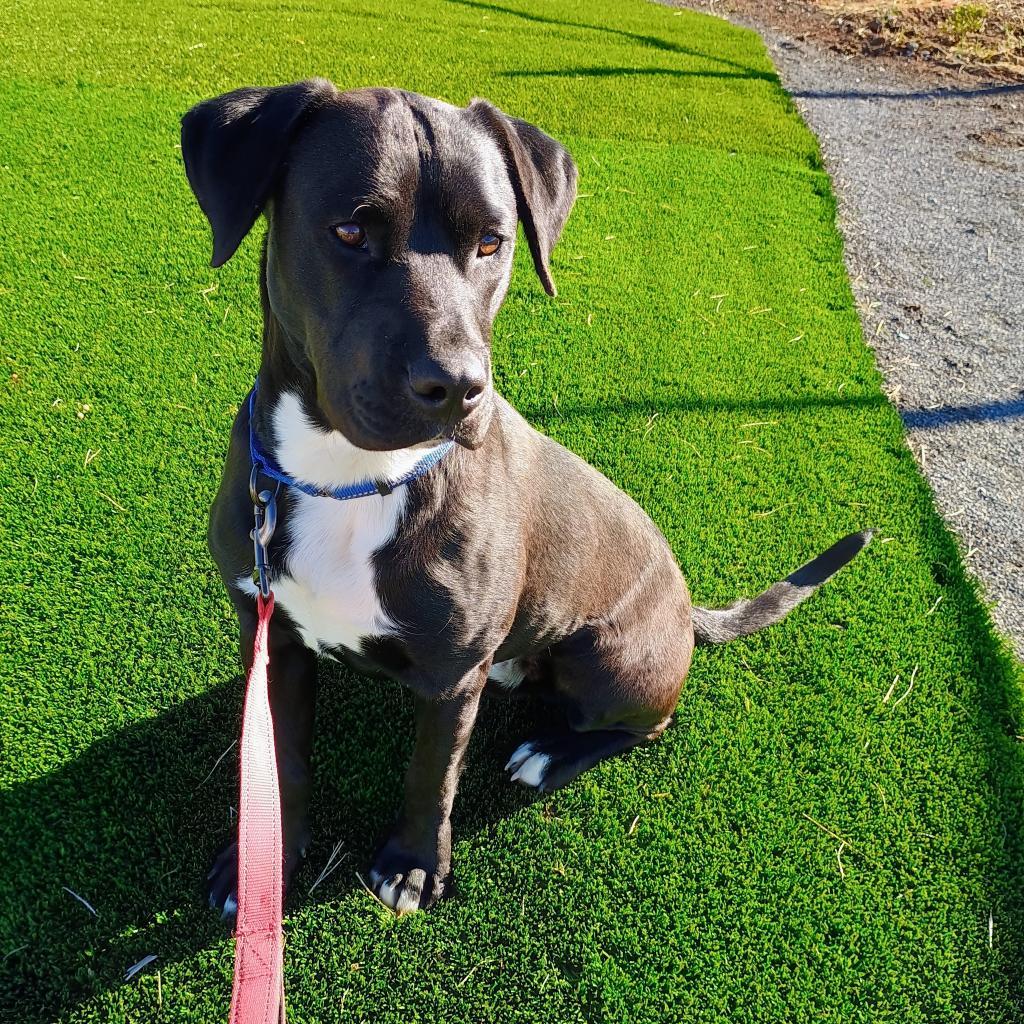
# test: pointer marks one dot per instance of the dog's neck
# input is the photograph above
(295, 432)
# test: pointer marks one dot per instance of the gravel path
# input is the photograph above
(930, 179)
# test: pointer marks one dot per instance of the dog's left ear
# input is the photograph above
(543, 176)
(234, 147)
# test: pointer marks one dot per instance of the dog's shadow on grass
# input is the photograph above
(130, 826)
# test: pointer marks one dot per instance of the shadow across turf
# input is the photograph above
(606, 72)
(539, 414)
(648, 41)
(118, 827)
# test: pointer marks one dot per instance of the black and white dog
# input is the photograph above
(502, 560)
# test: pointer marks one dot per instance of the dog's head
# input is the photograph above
(392, 219)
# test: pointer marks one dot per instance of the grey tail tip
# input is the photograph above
(720, 625)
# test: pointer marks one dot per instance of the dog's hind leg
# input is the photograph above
(618, 689)
(553, 761)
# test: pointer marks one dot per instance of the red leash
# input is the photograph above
(257, 995)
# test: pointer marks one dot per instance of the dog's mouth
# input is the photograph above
(375, 429)
(471, 431)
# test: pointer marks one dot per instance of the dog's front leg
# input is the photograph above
(412, 869)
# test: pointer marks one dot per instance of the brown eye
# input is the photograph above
(351, 234)
(489, 245)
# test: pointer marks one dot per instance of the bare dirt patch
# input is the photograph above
(982, 39)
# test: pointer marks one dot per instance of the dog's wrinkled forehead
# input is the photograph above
(404, 156)
(248, 150)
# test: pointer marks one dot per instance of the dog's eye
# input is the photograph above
(489, 245)
(351, 234)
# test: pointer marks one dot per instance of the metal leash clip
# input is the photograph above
(264, 510)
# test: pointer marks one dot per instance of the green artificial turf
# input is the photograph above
(798, 848)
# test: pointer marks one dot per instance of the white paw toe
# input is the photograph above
(531, 771)
(409, 900)
(389, 893)
(521, 754)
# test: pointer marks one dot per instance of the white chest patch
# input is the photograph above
(328, 585)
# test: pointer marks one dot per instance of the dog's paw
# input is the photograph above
(404, 882)
(529, 765)
(222, 881)
(550, 763)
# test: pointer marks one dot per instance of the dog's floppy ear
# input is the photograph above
(543, 175)
(234, 146)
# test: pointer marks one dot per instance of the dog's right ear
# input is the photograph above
(543, 175)
(234, 147)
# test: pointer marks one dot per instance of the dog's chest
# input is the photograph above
(324, 575)
(328, 581)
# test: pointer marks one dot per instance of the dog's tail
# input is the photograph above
(720, 625)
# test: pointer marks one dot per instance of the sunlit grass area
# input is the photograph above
(832, 828)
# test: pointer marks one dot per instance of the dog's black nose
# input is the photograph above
(448, 393)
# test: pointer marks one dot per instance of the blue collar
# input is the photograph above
(262, 461)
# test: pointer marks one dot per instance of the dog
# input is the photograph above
(482, 555)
